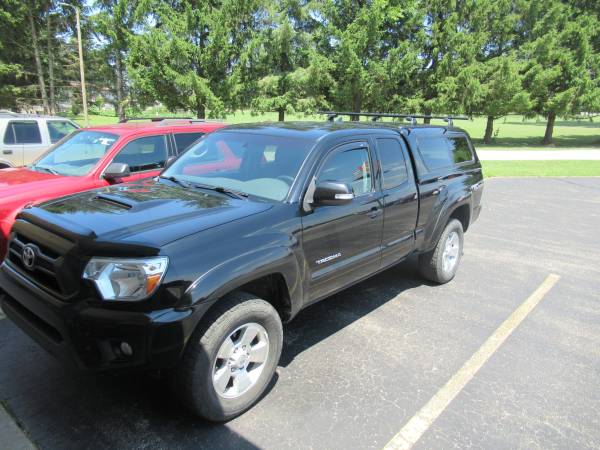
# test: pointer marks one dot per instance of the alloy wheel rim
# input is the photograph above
(451, 252)
(240, 360)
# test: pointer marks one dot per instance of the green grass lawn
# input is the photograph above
(540, 168)
(513, 132)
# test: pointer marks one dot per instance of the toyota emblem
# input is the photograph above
(28, 256)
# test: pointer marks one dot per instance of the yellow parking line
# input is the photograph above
(420, 422)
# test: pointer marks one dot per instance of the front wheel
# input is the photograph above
(440, 264)
(230, 358)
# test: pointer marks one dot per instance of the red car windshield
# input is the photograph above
(76, 155)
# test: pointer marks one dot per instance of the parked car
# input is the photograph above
(193, 272)
(95, 157)
(26, 137)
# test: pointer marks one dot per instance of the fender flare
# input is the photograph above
(233, 273)
(451, 204)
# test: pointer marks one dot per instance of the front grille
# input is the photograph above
(44, 271)
(57, 267)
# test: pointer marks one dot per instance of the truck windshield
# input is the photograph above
(77, 155)
(254, 164)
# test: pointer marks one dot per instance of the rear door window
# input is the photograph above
(393, 164)
(23, 132)
(58, 129)
(147, 153)
(184, 140)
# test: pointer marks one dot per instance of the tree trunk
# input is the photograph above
(38, 61)
(201, 111)
(426, 120)
(489, 129)
(549, 129)
(52, 103)
(281, 112)
(356, 106)
(120, 94)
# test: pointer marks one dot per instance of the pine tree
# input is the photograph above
(186, 56)
(561, 70)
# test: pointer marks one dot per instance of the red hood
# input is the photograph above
(24, 185)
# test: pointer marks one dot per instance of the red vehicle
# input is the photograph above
(96, 157)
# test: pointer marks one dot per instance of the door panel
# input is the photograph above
(342, 243)
(401, 204)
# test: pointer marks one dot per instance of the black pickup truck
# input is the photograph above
(194, 272)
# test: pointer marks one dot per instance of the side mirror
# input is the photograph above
(170, 161)
(116, 170)
(332, 193)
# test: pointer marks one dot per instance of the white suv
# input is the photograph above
(25, 137)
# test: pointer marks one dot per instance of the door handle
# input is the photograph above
(7, 152)
(438, 190)
(375, 212)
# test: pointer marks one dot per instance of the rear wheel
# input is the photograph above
(230, 358)
(440, 264)
(4, 166)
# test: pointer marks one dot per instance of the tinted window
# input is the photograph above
(146, 153)
(184, 140)
(23, 133)
(351, 167)
(58, 129)
(78, 154)
(393, 164)
(9, 135)
(257, 164)
(435, 152)
(459, 149)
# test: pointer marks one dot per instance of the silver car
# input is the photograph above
(25, 137)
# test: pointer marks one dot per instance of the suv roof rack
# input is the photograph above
(331, 115)
(160, 119)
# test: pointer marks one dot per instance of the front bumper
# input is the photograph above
(88, 337)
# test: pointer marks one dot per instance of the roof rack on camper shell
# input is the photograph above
(331, 115)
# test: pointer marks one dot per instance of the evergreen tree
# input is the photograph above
(186, 55)
(369, 45)
(292, 76)
(561, 68)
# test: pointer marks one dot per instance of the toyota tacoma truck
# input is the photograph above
(192, 273)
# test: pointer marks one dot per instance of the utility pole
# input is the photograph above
(81, 69)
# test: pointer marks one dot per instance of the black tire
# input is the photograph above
(431, 264)
(192, 380)
(4, 166)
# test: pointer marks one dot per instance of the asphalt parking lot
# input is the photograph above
(357, 367)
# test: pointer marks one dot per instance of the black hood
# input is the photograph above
(148, 212)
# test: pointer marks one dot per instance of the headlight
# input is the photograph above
(126, 279)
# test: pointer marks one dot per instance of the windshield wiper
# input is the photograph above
(223, 190)
(46, 169)
(173, 179)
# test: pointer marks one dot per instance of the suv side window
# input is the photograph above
(23, 132)
(184, 140)
(58, 129)
(459, 149)
(350, 166)
(145, 153)
(393, 164)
